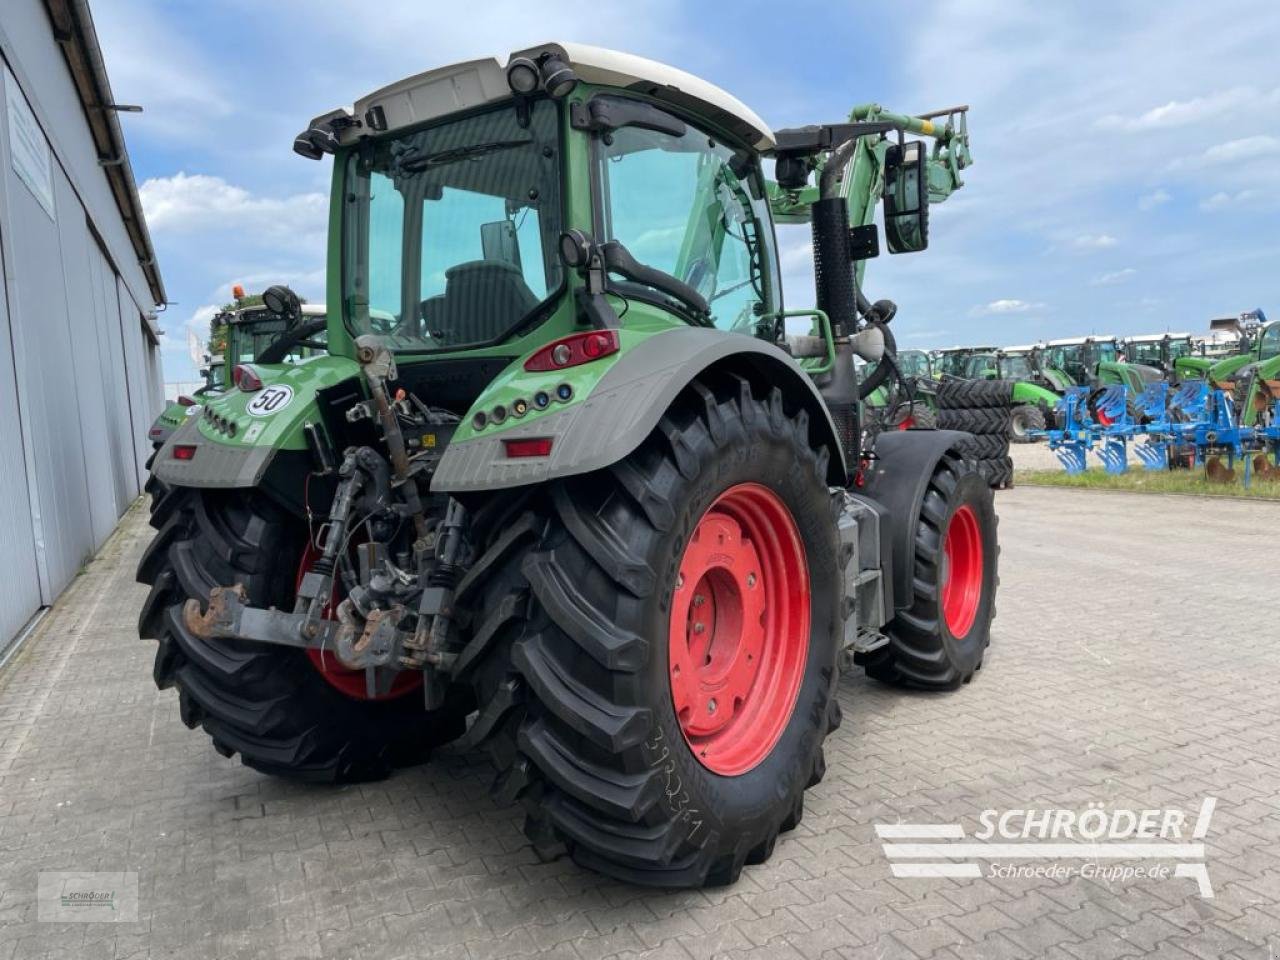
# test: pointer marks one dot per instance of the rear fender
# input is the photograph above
(612, 416)
(237, 435)
(898, 480)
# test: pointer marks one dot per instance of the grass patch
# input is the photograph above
(1190, 482)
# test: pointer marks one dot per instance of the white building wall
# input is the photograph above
(80, 377)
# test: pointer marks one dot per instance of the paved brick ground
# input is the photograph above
(1136, 697)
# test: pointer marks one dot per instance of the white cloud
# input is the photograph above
(1222, 199)
(1116, 276)
(1156, 198)
(1094, 241)
(198, 203)
(1005, 306)
(1259, 145)
(1178, 113)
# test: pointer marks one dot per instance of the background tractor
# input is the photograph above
(1252, 379)
(1031, 404)
(249, 331)
(1174, 355)
(562, 487)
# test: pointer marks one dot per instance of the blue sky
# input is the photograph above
(1127, 154)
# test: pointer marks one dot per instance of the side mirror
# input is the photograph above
(906, 198)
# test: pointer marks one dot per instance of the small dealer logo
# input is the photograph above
(1095, 843)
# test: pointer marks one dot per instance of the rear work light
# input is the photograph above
(535, 447)
(575, 349)
(246, 378)
(184, 451)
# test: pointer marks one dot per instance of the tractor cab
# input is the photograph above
(1158, 349)
(954, 361)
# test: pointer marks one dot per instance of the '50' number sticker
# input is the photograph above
(270, 400)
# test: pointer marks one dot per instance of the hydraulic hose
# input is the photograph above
(885, 367)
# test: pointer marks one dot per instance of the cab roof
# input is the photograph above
(474, 83)
(1074, 341)
(1156, 337)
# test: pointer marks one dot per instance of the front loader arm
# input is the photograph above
(863, 182)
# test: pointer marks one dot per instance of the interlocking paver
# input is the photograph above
(1106, 697)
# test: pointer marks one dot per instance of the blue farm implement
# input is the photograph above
(1194, 424)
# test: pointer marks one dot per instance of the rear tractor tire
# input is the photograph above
(655, 653)
(940, 640)
(1024, 419)
(282, 711)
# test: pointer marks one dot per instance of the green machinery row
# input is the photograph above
(1241, 356)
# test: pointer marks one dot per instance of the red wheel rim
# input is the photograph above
(961, 571)
(739, 631)
(343, 678)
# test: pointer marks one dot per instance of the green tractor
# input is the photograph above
(1032, 405)
(1174, 355)
(1253, 379)
(253, 332)
(185, 405)
(561, 487)
(955, 361)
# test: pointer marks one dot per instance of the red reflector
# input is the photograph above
(537, 447)
(185, 401)
(575, 349)
(184, 452)
(246, 378)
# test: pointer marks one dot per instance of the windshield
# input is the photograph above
(1015, 366)
(252, 332)
(693, 208)
(1270, 345)
(913, 363)
(1146, 352)
(979, 366)
(1107, 352)
(449, 233)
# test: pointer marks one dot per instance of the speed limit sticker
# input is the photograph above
(270, 400)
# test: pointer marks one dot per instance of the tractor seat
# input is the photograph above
(482, 299)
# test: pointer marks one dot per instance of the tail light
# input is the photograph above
(246, 378)
(185, 401)
(534, 447)
(575, 349)
(184, 451)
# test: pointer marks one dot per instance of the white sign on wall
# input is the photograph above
(28, 149)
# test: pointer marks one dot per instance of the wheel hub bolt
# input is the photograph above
(699, 600)
(699, 628)
(751, 579)
(711, 705)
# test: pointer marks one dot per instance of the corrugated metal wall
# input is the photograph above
(80, 379)
(21, 595)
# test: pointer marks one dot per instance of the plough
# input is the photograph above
(1159, 426)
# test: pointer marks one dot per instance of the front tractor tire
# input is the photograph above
(940, 640)
(654, 658)
(283, 713)
(1025, 419)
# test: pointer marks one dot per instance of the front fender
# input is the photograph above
(622, 409)
(235, 442)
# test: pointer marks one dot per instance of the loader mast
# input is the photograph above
(863, 182)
